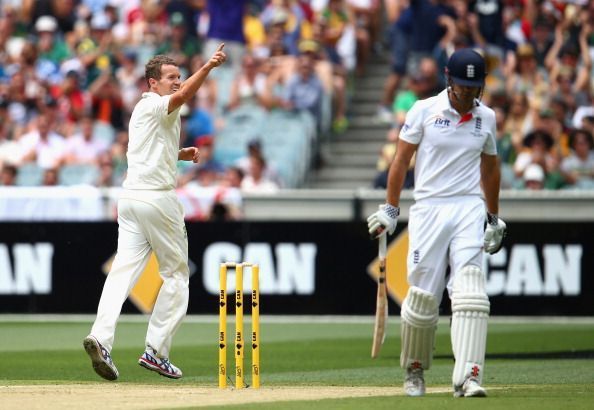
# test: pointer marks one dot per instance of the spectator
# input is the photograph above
(43, 146)
(63, 10)
(9, 148)
(519, 120)
(539, 144)
(50, 177)
(8, 175)
(533, 177)
(413, 40)
(578, 167)
(254, 149)
(528, 78)
(49, 43)
(128, 75)
(233, 177)
(107, 176)
(225, 24)
(71, 98)
(570, 64)
(386, 157)
(179, 45)
(304, 90)
(255, 181)
(106, 100)
(290, 18)
(541, 40)
(505, 149)
(209, 171)
(367, 18)
(82, 147)
(249, 86)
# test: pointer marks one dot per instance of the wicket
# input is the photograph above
(239, 338)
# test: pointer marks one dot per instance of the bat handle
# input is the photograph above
(383, 244)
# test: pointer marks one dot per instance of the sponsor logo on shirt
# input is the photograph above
(441, 122)
(405, 128)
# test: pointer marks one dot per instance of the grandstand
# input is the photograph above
(71, 74)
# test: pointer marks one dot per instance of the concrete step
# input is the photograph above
(354, 148)
(367, 160)
(351, 185)
(377, 69)
(361, 134)
(362, 95)
(330, 173)
(375, 83)
(363, 108)
(367, 122)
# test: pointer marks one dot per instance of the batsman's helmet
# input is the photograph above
(466, 67)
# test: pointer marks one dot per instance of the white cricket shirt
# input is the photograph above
(153, 144)
(449, 146)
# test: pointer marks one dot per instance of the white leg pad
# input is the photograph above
(419, 315)
(470, 312)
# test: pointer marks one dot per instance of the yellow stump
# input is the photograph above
(255, 326)
(223, 326)
(239, 326)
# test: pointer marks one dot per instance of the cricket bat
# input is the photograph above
(381, 309)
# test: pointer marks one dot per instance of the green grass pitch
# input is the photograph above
(531, 364)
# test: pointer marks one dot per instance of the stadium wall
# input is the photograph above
(307, 267)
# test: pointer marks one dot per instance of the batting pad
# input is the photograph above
(419, 322)
(470, 311)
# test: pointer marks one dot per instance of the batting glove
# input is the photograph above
(494, 234)
(385, 219)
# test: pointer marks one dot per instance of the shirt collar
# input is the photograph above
(444, 105)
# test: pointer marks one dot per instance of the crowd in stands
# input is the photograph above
(71, 72)
(540, 83)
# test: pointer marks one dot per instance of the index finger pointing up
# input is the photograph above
(221, 47)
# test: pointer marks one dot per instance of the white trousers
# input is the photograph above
(441, 233)
(148, 221)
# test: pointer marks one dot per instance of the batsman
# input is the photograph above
(456, 191)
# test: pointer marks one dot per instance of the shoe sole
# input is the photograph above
(101, 368)
(476, 393)
(157, 369)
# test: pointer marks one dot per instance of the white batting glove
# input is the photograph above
(384, 220)
(494, 234)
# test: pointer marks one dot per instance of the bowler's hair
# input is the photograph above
(153, 67)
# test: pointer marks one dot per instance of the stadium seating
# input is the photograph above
(29, 175)
(78, 174)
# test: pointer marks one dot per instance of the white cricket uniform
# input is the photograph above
(150, 218)
(446, 223)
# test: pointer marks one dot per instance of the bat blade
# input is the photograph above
(381, 309)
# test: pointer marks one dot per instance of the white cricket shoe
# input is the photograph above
(100, 357)
(414, 383)
(149, 360)
(470, 388)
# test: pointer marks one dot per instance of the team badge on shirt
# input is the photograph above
(478, 125)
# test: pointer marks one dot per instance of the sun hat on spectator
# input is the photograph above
(100, 21)
(176, 19)
(309, 46)
(525, 50)
(534, 172)
(46, 24)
